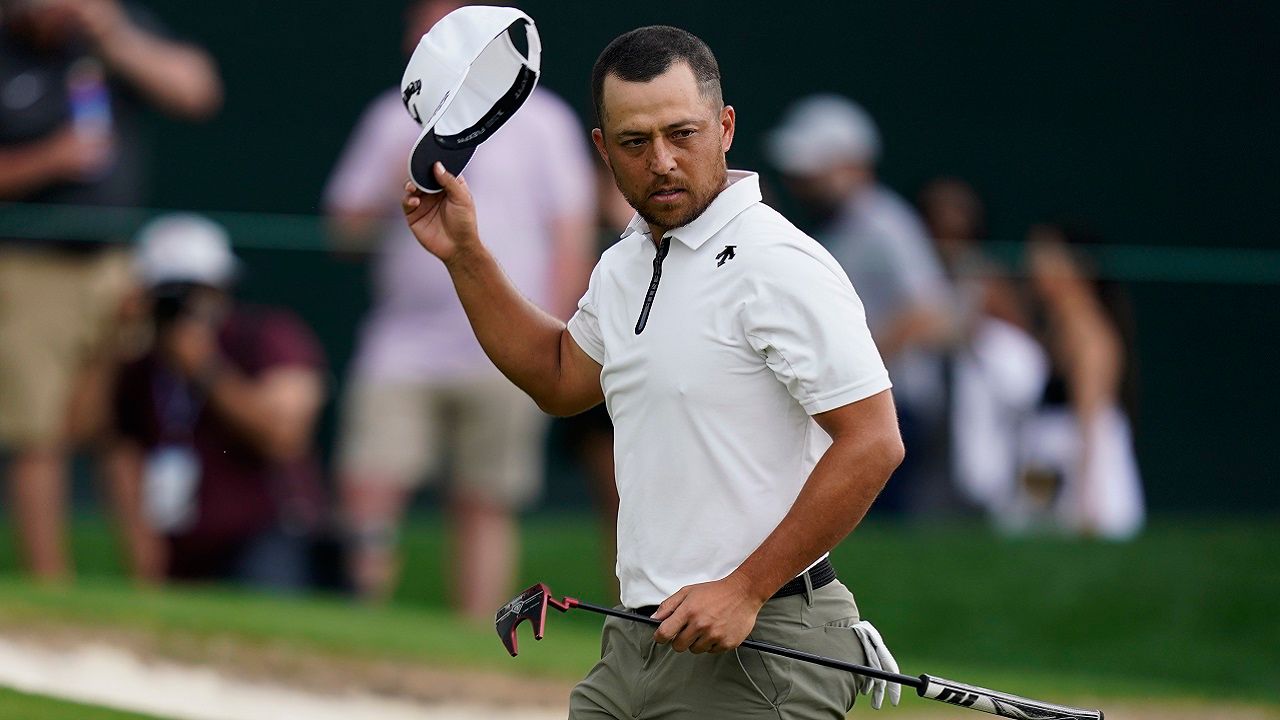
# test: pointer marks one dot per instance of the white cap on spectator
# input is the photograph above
(820, 131)
(184, 247)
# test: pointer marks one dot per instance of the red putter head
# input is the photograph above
(530, 605)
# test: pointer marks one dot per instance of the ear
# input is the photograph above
(597, 139)
(728, 123)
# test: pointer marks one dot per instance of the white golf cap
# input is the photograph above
(819, 131)
(184, 248)
(465, 79)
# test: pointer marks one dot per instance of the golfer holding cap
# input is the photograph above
(754, 420)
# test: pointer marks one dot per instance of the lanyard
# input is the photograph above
(177, 406)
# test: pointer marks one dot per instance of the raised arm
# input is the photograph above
(180, 79)
(532, 348)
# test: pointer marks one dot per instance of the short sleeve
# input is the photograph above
(804, 318)
(584, 326)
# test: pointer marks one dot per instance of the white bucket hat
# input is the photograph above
(465, 79)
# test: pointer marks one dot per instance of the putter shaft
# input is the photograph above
(908, 680)
(533, 604)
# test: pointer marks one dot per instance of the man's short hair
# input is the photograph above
(645, 53)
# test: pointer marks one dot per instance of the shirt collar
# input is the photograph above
(742, 192)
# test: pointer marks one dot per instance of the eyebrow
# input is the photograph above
(667, 128)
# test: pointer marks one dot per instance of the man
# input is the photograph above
(753, 415)
(827, 148)
(75, 76)
(421, 389)
(213, 427)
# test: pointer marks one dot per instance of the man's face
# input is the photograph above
(665, 144)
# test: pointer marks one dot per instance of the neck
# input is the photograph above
(657, 232)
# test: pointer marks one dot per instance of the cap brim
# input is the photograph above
(426, 153)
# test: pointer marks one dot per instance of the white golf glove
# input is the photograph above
(879, 657)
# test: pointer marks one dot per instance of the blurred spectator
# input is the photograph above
(1080, 472)
(74, 75)
(213, 427)
(826, 148)
(997, 370)
(421, 389)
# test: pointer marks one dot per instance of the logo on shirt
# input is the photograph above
(725, 255)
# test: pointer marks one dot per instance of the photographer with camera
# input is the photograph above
(212, 467)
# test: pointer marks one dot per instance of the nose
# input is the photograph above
(661, 160)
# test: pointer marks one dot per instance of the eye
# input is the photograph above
(683, 134)
(633, 143)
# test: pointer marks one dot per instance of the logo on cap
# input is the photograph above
(410, 90)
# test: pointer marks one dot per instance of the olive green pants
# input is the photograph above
(637, 678)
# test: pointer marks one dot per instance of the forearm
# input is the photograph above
(24, 170)
(246, 408)
(532, 348)
(523, 341)
(920, 326)
(180, 79)
(1093, 358)
(833, 501)
(1094, 388)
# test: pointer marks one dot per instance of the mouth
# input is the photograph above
(666, 195)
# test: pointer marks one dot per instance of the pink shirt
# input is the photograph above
(535, 169)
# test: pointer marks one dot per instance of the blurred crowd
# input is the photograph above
(1013, 383)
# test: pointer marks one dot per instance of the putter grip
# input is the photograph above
(998, 703)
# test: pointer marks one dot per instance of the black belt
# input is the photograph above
(820, 575)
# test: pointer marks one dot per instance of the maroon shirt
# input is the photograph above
(241, 493)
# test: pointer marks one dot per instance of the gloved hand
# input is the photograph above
(879, 657)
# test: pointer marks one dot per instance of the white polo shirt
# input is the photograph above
(752, 328)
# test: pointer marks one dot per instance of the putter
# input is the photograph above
(532, 605)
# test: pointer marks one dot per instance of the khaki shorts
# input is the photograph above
(58, 312)
(637, 678)
(489, 430)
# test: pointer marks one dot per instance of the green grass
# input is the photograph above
(1188, 607)
(37, 707)
(425, 635)
(1188, 610)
